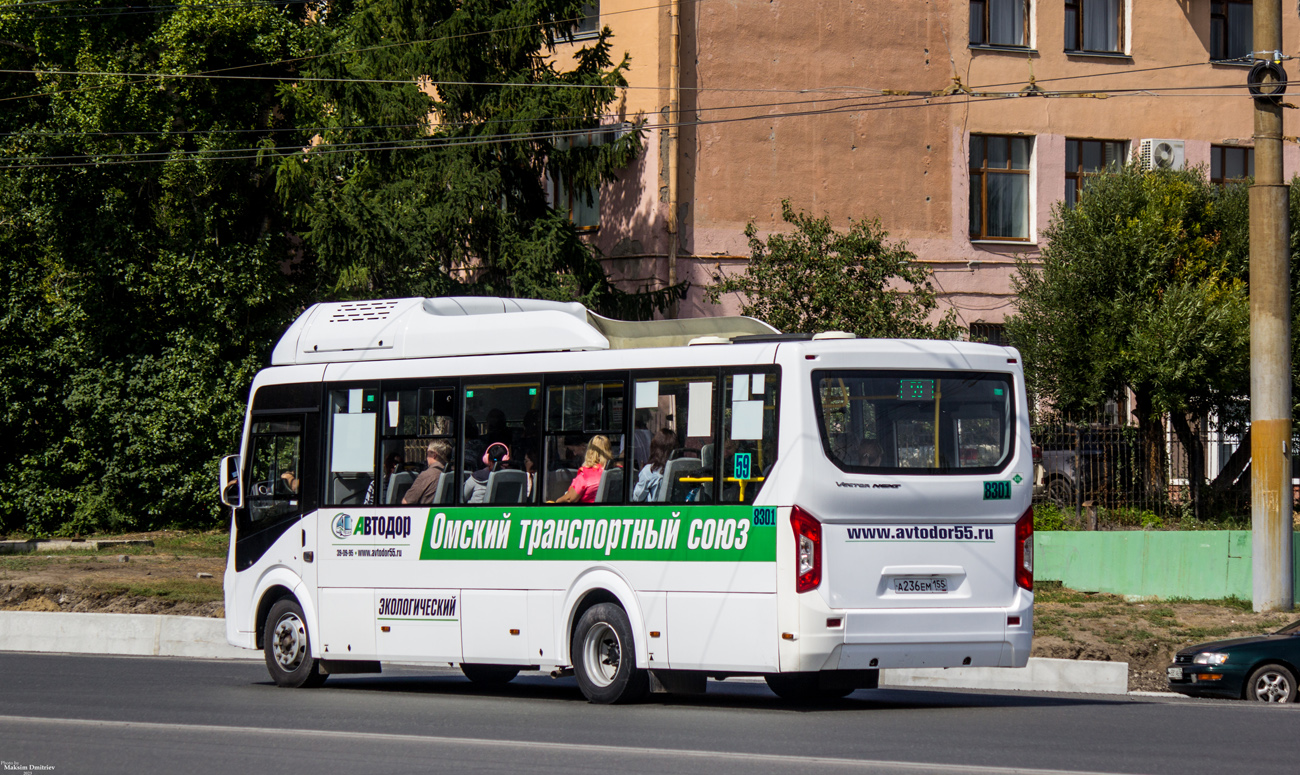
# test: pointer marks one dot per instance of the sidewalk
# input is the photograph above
(192, 636)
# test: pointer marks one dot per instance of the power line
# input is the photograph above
(39, 2)
(422, 81)
(899, 102)
(1132, 71)
(364, 49)
(252, 153)
(605, 117)
(128, 10)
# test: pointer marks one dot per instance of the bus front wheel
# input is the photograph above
(604, 657)
(288, 647)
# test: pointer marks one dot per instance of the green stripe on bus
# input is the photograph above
(671, 533)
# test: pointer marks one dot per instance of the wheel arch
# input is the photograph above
(277, 584)
(603, 585)
(1263, 661)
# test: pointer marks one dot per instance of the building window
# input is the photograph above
(990, 333)
(1231, 29)
(1085, 158)
(1231, 163)
(589, 25)
(1094, 25)
(999, 187)
(582, 205)
(999, 23)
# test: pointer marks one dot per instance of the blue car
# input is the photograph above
(1261, 668)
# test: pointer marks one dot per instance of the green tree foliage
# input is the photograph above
(818, 279)
(395, 203)
(145, 248)
(1142, 286)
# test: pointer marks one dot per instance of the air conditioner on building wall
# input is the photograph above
(1162, 154)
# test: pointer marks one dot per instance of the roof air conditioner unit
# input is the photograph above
(1162, 154)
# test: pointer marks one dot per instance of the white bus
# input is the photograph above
(512, 485)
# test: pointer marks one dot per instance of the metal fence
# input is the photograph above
(1096, 473)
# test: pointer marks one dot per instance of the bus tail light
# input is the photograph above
(1025, 550)
(808, 550)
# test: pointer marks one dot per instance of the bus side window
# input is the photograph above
(501, 434)
(749, 420)
(414, 417)
(683, 406)
(585, 447)
(353, 426)
(274, 470)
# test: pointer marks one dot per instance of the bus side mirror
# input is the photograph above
(232, 486)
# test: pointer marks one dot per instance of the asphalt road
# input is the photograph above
(79, 714)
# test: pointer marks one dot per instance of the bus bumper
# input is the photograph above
(857, 639)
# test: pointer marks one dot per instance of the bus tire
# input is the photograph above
(288, 647)
(805, 687)
(489, 675)
(604, 657)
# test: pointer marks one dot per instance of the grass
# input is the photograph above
(19, 562)
(1051, 517)
(196, 591)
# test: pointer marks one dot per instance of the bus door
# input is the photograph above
(280, 482)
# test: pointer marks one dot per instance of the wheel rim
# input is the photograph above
(289, 642)
(601, 652)
(1272, 687)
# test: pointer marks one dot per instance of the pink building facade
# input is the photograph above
(959, 124)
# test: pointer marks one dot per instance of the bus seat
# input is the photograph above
(706, 456)
(507, 486)
(610, 489)
(443, 493)
(558, 481)
(398, 484)
(672, 489)
(349, 489)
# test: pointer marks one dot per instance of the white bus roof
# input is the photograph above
(388, 329)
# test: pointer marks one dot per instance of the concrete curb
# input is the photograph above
(1073, 676)
(142, 635)
(155, 635)
(21, 547)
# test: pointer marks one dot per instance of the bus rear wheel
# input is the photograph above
(604, 657)
(806, 687)
(489, 675)
(288, 647)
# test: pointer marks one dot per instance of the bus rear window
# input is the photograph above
(915, 422)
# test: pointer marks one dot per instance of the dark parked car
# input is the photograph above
(1262, 668)
(1066, 458)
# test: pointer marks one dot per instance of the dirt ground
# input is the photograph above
(1143, 633)
(181, 574)
(165, 579)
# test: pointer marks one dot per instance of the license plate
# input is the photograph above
(1175, 674)
(928, 585)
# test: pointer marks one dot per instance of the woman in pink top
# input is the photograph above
(587, 481)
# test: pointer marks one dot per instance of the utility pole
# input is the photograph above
(1270, 328)
(674, 139)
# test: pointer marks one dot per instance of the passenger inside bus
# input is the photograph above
(391, 464)
(867, 452)
(651, 476)
(642, 437)
(586, 482)
(494, 459)
(530, 468)
(425, 487)
(290, 480)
